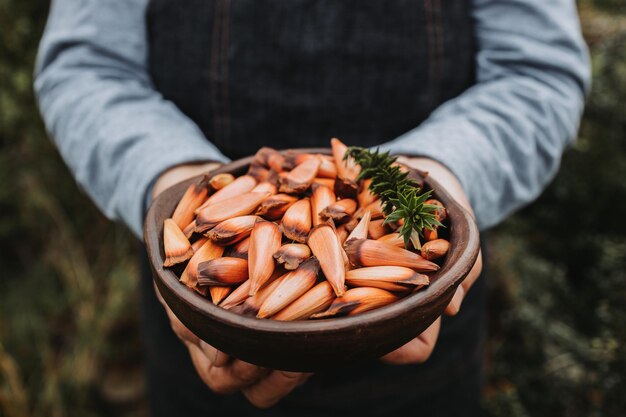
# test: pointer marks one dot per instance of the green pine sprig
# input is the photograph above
(401, 197)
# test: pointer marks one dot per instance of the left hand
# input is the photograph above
(419, 349)
(221, 373)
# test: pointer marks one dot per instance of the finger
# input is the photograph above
(183, 333)
(457, 299)
(201, 362)
(418, 350)
(274, 387)
(234, 376)
(227, 379)
(474, 273)
(217, 357)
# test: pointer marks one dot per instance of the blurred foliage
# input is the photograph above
(68, 319)
(68, 296)
(558, 339)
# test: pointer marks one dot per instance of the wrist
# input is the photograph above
(442, 175)
(180, 173)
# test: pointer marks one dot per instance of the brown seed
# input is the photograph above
(359, 300)
(198, 244)
(378, 229)
(393, 239)
(223, 271)
(296, 222)
(269, 158)
(327, 168)
(435, 249)
(299, 179)
(252, 304)
(241, 205)
(338, 310)
(291, 287)
(317, 299)
(190, 201)
(441, 213)
(265, 187)
(258, 172)
(238, 296)
(325, 246)
(292, 255)
(345, 188)
(370, 299)
(431, 234)
(207, 252)
(342, 234)
(361, 229)
(189, 230)
(264, 242)
(219, 293)
(239, 250)
(326, 182)
(241, 185)
(177, 246)
(321, 198)
(276, 162)
(365, 196)
(376, 209)
(219, 181)
(346, 261)
(294, 158)
(263, 155)
(339, 211)
(390, 278)
(352, 223)
(366, 252)
(232, 230)
(275, 206)
(346, 169)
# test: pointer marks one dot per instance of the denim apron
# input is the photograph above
(294, 73)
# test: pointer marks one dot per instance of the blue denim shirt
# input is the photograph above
(503, 137)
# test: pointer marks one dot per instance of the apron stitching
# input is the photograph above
(440, 62)
(432, 65)
(215, 65)
(225, 71)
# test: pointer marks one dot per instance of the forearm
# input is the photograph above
(504, 137)
(115, 132)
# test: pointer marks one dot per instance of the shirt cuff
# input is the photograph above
(458, 145)
(152, 166)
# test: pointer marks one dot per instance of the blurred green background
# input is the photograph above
(69, 341)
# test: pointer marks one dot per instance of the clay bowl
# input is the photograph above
(312, 345)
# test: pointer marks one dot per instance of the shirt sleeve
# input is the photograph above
(113, 129)
(504, 137)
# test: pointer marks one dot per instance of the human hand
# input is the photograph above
(221, 373)
(419, 349)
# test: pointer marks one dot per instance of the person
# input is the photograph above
(483, 94)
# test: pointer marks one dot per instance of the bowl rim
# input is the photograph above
(452, 277)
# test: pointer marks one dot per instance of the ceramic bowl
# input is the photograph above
(312, 345)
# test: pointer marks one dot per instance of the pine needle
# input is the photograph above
(401, 197)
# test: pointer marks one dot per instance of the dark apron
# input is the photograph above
(294, 73)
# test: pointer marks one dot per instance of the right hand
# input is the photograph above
(221, 373)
